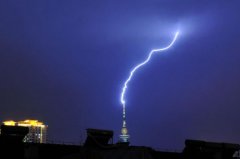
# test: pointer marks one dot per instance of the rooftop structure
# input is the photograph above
(37, 130)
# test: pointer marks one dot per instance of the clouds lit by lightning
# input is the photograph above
(141, 64)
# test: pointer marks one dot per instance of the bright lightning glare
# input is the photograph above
(141, 64)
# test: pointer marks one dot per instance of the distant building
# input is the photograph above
(37, 130)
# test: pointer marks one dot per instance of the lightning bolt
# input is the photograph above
(139, 66)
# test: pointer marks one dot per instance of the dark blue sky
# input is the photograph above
(64, 63)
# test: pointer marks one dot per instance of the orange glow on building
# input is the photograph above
(28, 123)
(37, 130)
(9, 123)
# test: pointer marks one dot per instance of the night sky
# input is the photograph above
(65, 62)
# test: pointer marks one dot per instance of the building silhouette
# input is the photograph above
(98, 145)
(37, 130)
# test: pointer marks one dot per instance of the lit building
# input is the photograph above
(37, 130)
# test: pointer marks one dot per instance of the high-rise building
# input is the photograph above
(37, 130)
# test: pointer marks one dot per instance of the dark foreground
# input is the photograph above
(97, 147)
(193, 150)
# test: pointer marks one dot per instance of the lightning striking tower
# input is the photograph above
(124, 137)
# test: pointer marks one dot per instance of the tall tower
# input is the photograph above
(124, 132)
